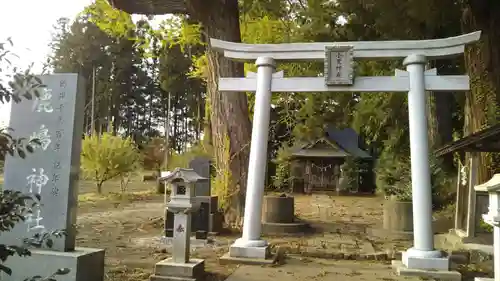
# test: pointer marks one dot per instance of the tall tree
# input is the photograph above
(228, 112)
(483, 64)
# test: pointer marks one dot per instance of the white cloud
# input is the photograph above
(29, 23)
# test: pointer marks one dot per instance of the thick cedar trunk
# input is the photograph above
(228, 111)
(483, 64)
(440, 115)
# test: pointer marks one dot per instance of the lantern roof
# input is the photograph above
(186, 175)
(491, 186)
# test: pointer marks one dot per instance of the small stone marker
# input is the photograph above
(182, 204)
(56, 119)
(201, 220)
(201, 165)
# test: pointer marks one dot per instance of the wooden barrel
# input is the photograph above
(398, 215)
(278, 209)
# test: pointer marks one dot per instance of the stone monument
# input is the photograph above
(209, 219)
(182, 204)
(56, 120)
(493, 218)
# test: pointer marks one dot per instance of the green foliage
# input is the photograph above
(351, 169)
(15, 206)
(394, 178)
(107, 157)
(282, 178)
(181, 160)
(112, 21)
(486, 226)
(135, 75)
(221, 181)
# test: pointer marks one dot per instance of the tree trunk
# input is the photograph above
(440, 115)
(230, 123)
(175, 136)
(482, 61)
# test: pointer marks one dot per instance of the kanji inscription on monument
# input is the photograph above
(55, 118)
(339, 65)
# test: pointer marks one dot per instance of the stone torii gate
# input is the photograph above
(338, 77)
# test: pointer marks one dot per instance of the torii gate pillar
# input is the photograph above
(250, 245)
(422, 255)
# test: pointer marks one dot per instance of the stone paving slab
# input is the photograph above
(299, 269)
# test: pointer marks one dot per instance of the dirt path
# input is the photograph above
(130, 232)
(297, 269)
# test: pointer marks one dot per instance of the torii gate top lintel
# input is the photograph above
(433, 48)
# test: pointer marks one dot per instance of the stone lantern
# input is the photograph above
(493, 218)
(182, 203)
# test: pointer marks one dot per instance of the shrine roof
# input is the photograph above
(487, 140)
(336, 144)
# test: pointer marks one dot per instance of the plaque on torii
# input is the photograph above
(339, 65)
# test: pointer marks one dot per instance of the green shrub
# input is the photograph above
(181, 160)
(394, 178)
(282, 178)
(108, 157)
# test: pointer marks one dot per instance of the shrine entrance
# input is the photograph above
(339, 76)
(322, 175)
(317, 166)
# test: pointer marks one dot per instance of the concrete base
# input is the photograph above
(402, 270)
(167, 270)
(249, 252)
(427, 263)
(270, 228)
(84, 263)
(227, 259)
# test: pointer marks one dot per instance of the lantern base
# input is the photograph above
(168, 270)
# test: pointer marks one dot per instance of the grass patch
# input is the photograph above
(117, 196)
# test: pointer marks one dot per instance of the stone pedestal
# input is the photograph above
(168, 270)
(84, 264)
(278, 217)
(398, 216)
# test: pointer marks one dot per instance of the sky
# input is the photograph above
(29, 23)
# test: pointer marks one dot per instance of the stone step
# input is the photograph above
(193, 269)
(170, 278)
